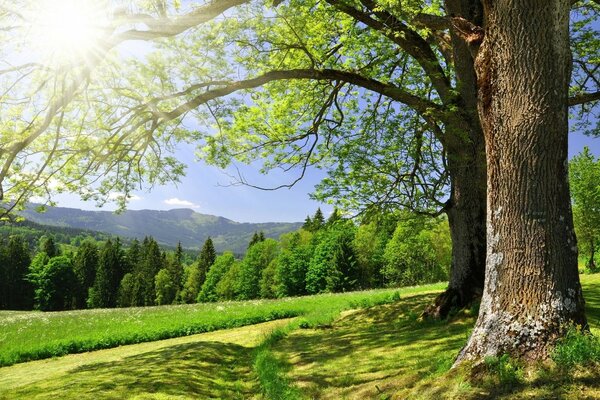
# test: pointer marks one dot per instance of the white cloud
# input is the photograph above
(180, 203)
(118, 195)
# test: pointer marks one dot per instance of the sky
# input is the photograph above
(206, 190)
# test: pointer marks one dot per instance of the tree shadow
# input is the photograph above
(368, 353)
(200, 370)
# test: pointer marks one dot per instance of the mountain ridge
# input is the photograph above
(168, 227)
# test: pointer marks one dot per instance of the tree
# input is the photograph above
(257, 237)
(85, 264)
(176, 268)
(410, 255)
(165, 287)
(151, 261)
(206, 259)
(333, 266)
(127, 290)
(48, 246)
(532, 290)
(584, 175)
(108, 276)
(17, 291)
(292, 264)
(387, 53)
(220, 267)
(257, 258)
(56, 285)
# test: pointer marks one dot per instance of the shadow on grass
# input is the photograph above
(591, 293)
(196, 371)
(369, 353)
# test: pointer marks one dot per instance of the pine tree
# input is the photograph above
(318, 220)
(85, 264)
(18, 255)
(334, 217)
(48, 246)
(206, 259)
(108, 276)
(175, 267)
(152, 261)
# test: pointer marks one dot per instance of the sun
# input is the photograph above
(64, 31)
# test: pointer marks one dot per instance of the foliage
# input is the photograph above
(220, 267)
(584, 178)
(85, 265)
(56, 285)
(257, 258)
(228, 288)
(109, 275)
(16, 292)
(418, 252)
(333, 267)
(165, 287)
(292, 265)
(206, 259)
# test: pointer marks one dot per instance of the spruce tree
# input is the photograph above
(175, 267)
(47, 245)
(318, 220)
(17, 255)
(152, 261)
(108, 276)
(206, 259)
(85, 264)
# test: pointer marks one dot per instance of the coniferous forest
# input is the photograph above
(326, 255)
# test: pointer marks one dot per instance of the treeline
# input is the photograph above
(332, 255)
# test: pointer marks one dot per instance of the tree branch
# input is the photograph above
(409, 40)
(419, 104)
(582, 98)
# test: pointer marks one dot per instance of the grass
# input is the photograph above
(385, 352)
(382, 352)
(210, 365)
(26, 336)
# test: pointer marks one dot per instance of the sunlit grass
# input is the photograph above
(386, 352)
(34, 335)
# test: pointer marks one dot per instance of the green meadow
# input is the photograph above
(26, 336)
(361, 345)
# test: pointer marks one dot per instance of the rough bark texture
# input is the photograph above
(467, 167)
(532, 288)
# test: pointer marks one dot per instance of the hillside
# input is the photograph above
(167, 227)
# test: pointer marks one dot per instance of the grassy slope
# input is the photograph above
(34, 335)
(382, 353)
(386, 353)
(210, 365)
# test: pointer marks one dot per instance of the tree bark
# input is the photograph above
(465, 148)
(532, 289)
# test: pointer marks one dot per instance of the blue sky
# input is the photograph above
(205, 189)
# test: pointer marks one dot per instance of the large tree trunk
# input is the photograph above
(467, 168)
(532, 290)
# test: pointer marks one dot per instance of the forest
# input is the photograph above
(325, 256)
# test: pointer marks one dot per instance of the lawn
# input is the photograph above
(383, 351)
(386, 352)
(26, 336)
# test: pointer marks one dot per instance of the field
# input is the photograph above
(382, 351)
(29, 336)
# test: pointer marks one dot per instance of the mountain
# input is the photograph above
(167, 227)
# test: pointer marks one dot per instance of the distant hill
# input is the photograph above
(167, 227)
